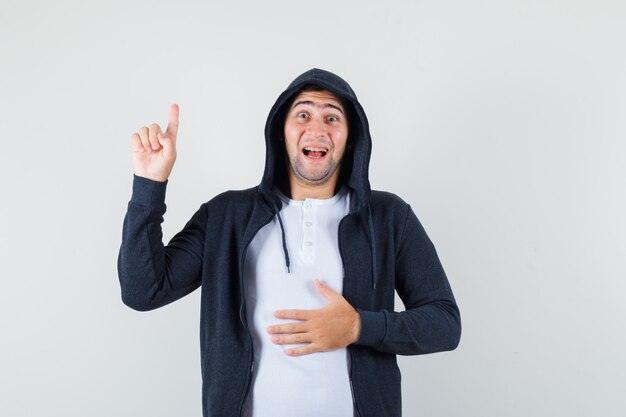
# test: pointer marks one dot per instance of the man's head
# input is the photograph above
(316, 133)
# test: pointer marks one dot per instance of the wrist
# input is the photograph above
(157, 178)
(356, 332)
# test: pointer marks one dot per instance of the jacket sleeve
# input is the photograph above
(152, 275)
(431, 321)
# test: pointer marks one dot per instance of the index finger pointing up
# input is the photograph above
(172, 124)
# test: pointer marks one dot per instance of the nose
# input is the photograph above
(317, 128)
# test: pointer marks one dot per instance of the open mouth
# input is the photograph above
(315, 153)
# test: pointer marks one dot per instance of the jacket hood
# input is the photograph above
(355, 163)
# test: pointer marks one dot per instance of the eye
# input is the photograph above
(302, 115)
(332, 118)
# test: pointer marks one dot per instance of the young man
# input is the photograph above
(298, 274)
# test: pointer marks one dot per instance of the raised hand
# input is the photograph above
(332, 327)
(154, 152)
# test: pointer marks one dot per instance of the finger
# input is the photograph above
(136, 144)
(155, 129)
(292, 339)
(298, 327)
(294, 314)
(164, 141)
(143, 134)
(326, 291)
(172, 124)
(304, 350)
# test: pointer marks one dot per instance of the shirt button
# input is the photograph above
(308, 224)
(308, 205)
(308, 243)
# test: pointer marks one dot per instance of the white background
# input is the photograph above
(501, 122)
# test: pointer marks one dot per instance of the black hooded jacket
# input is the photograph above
(382, 245)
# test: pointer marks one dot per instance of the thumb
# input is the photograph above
(326, 291)
(166, 142)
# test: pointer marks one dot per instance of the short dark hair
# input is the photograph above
(310, 87)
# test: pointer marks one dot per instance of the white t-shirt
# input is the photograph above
(314, 385)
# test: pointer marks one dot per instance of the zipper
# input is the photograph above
(356, 409)
(242, 314)
(345, 286)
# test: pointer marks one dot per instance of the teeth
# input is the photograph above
(310, 148)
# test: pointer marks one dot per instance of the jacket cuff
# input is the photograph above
(373, 328)
(147, 192)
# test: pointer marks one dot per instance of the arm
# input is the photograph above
(152, 275)
(431, 322)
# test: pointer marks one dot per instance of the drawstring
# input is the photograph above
(285, 251)
(371, 235)
(373, 245)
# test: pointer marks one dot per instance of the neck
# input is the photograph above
(299, 190)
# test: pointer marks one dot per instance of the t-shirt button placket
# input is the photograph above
(307, 250)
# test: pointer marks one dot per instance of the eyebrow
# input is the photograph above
(310, 103)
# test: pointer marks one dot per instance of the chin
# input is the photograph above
(319, 176)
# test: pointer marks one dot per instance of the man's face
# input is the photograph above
(316, 132)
